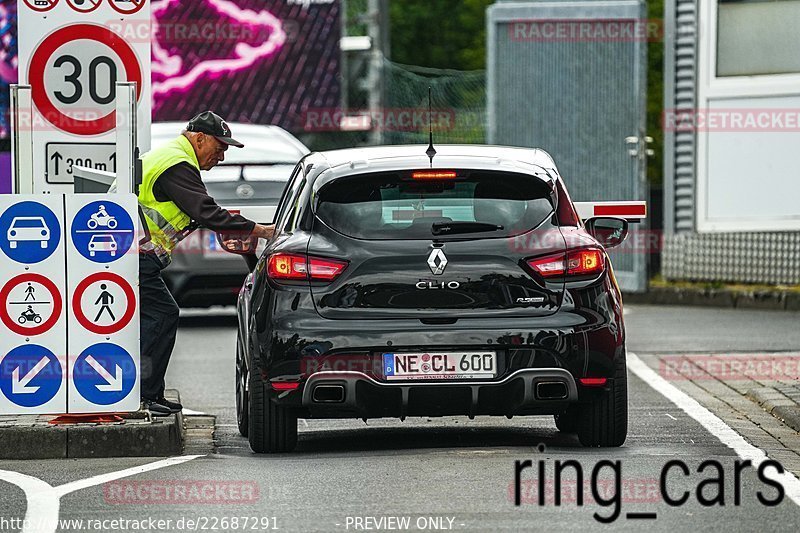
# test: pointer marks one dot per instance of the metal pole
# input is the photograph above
(375, 74)
(22, 139)
(126, 136)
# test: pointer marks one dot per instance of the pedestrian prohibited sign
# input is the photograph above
(31, 304)
(29, 232)
(104, 303)
(102, 231)
(30, 375)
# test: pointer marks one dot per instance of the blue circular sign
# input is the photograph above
(30, 375)
(29, 232)
(102, 231)
(104, 373)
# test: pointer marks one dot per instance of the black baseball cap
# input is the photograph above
(213, 124)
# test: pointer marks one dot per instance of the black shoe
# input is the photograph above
(156, 408)
(174, 407)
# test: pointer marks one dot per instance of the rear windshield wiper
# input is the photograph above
(451, 228)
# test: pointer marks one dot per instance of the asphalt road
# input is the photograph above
(449, 473)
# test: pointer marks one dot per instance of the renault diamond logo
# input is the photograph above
(437, 261)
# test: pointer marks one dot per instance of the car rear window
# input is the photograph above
(397, 206)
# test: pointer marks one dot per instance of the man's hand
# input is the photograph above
(264, 232)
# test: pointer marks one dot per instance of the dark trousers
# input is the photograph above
(159, 325)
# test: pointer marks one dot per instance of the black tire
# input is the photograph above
(272, 427)
(604, 422)
(567, 422)
(242, 399)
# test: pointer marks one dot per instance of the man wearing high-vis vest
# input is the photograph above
(175, 202)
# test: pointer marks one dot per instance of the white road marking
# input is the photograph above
(712, 423)
(669, 415)
(44, 500)
(62, 490)
(43, 503)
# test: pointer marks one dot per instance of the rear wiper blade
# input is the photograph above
(451, 228)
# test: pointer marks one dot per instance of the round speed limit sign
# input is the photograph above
(72, 73)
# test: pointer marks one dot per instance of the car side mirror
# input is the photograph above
(608, 231)
(238, 243)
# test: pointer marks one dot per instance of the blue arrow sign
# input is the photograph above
(29, 232)
(30, 375)
(102, 231)
(104, 373)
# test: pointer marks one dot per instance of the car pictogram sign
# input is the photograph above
(102, 231)
(29, 232)
(30, 304)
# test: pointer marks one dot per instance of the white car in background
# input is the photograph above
(251, 181)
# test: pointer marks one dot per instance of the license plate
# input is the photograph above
(212, 248)
(440, 365)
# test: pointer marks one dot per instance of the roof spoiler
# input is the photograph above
(635, 211)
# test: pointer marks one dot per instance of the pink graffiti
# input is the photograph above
(246, 55)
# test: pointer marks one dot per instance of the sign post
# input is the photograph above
(22, 141)
(33, 367)
(102, 274)
(72, 59)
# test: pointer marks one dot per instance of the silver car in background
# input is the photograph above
(250, 181)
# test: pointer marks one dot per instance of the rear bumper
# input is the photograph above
(332, 394)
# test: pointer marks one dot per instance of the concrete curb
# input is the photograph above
(32, 437)
(778, 405)
(772, 300)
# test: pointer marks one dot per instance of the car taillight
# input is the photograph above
(433, 175)
(592, 382)
(301, 267)
(583, 262)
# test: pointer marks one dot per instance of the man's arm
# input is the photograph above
(182, 184)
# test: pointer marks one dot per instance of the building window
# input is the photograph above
(758, 37)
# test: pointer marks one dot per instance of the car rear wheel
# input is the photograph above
(242, 401)
(604, 421)
(272, 427)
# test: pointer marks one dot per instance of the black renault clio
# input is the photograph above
(404, 283)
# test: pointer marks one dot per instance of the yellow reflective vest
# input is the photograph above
(166, 222)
